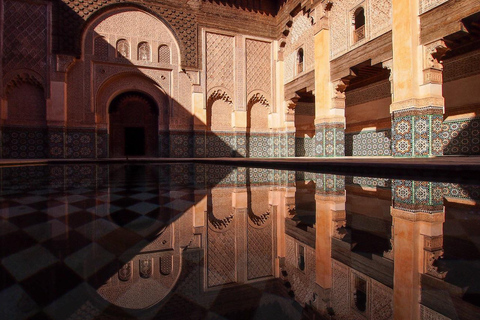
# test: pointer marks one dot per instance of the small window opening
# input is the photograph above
(360, 294)
(300, 58)
(359, 24)
(301, 258)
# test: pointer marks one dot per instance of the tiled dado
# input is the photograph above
(221, 144)
(24, 143)
(56, 142)
(461, 136)
(330, 184)
(305, 147)
(80, 143)
(330, 140)
(417, 132)
(181, 144)
(368, 143)
(259, 145)
(102, 144)
(163, 144)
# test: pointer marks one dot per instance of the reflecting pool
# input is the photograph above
(192, 241)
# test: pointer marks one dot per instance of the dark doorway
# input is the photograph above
(134, 141)
(133, 125)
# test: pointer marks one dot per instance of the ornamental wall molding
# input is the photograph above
(219, 94)
(23, 76)
(258, 97)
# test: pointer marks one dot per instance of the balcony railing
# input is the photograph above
(359, 34)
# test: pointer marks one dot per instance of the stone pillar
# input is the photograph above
(418, 105)
(199, 124)
(57, 108)
(290, 127)
(418, 216)
(329, 109)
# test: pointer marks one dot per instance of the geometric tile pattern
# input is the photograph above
(305, 147)
(260, 145)
(181, 144)
(80, 143)
(417, 132)
(56, 143)
(220, 144)
(102, 144)
(368, 143)
(461, 136)
(330, 140)
(24, 143)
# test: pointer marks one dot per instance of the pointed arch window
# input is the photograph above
(164, 54)
(300, 61)
(143, 51)
(359, 24)
(123, 48)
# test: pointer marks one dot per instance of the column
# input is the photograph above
(199, 122)
(417, 107)
(329, 109)
(418, 216)
(57, 111)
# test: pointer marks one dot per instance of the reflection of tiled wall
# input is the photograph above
(330, 140)
(329, 184)
(461, 136)
(368, 143)
(24, 143)
(80, 143)
(417, 132)
(181, 144)
(305, 147)
(416, 196)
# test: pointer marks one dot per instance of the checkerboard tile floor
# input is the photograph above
(58, 244)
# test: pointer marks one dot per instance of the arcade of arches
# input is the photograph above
(203, 78)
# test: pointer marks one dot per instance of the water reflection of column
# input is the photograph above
(418, 216)
(330, 218)
(240, 205)
(284, 199)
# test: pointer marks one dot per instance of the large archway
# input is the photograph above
(133, 125)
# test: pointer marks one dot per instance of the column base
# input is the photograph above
(416, 132)
(330, 140)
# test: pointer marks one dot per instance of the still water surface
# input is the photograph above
(191, 241)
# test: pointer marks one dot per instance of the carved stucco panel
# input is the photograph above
(301, 36)
(220, 66)
(259, 66)
(426, 5)
(25, 36)
(378, 18)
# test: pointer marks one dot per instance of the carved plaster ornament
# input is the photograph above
(22, 78)
(123, 48)
(261, 219)
(433, 250)
(194, 4)
(433, 67)
(146, 267)
(291, 210)
(125, 273)
(220, 224)
(258, 98)
(64, 62)
(144, 52)
(219, 94)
